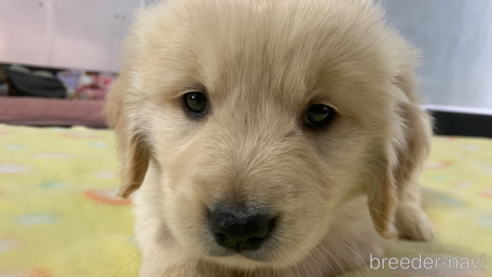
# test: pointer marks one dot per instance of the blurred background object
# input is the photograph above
(3, 83)
(80, 41)
(455, 38)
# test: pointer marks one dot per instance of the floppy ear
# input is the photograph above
(417, 134)
(132, 149)
(382, 196)
(400, 160)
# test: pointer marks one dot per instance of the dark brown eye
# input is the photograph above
(318, 116)
(196, 103)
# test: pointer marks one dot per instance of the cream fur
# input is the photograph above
(338, 192)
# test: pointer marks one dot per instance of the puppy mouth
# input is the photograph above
(256, 255)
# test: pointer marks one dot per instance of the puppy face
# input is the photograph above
(261, 118)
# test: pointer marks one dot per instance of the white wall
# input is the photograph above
(456, 39)
(83, 34)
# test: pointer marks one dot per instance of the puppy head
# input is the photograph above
(261, 118)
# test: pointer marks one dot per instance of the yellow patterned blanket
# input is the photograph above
(59, 216)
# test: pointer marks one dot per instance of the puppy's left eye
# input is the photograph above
(196, 103)
(319, 115)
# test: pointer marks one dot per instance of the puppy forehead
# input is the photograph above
(297, 51)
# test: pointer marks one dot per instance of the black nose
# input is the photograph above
(240, 229)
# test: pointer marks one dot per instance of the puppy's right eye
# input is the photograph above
(318, 116)
(196, 103)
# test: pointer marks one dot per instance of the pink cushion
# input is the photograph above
(51, 112)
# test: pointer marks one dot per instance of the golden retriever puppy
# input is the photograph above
(268, 137)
